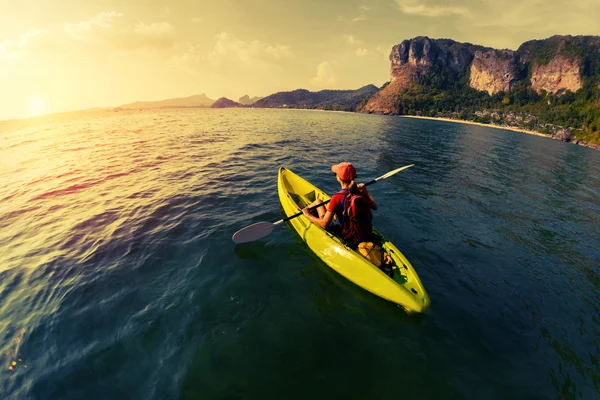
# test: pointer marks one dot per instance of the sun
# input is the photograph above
(37, 106)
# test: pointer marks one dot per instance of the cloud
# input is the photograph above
(362, 10)
(188, 53)
(325, 75)
(153, 29)
(16, 49)
(416, 7)
(230, 49)
(111, 31)
(103, 20)
(279, 52)
(352, 40)
(362, 52)
(196, 20)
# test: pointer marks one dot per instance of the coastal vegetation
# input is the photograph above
(335, 100)
(438, 95)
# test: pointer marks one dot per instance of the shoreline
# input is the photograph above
(508, 128)
(491, 125)
(458, 121)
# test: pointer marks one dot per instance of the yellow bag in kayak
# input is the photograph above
(371, 252)
(376, 255)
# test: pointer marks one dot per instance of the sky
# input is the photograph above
(63, 55)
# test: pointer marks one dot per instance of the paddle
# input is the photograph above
(261, 229)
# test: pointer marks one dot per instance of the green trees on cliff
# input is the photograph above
(440, 94)
(442, 86)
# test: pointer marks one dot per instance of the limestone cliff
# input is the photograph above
(418, 56)
(561, 63)
(558, 76)
(415, 61)
(555, 65)
(488, 69)
(494, 71)
(550, 85)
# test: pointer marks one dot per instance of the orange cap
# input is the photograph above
(344, 170)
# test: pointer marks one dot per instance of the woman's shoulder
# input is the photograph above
(341, 194)
(337, 197)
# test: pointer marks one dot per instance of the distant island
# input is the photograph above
(195, 101)
(550, 87)
(338, 100)
(224, 102)
(198, 100)
(247, 100)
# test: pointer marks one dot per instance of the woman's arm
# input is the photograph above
(322, 222)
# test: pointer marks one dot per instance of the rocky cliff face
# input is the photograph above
(556, 65)
(413, 60)
(494, 71)
(420, 55)
(558, 76)
(489, 70)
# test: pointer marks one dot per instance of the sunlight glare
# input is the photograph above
(37, 106)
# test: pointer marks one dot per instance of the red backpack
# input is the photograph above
(357, 219)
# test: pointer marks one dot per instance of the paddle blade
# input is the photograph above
(253, 232)
(393, 172)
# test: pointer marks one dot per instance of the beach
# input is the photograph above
(491, 125)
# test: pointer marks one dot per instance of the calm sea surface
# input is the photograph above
(119, 279)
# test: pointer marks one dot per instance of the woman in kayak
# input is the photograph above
(345, 174)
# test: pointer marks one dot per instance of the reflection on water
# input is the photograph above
(118, 277)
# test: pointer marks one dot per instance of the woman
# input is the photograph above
(345, 174)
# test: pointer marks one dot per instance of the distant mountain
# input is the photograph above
(224, 102)
(246, 100)
(342, 100)
(198, 100)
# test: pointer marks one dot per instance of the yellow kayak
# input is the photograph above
(405, 289)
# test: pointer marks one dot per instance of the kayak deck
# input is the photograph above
(404, 289)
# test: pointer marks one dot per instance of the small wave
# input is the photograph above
(62, 192)
(81, 186)
(75, 149)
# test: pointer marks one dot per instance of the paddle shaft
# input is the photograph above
(313, 207)
(262, 229)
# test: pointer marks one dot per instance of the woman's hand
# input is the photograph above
(305, 212)
(361, 187)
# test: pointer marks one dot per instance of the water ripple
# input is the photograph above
(118, 278)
